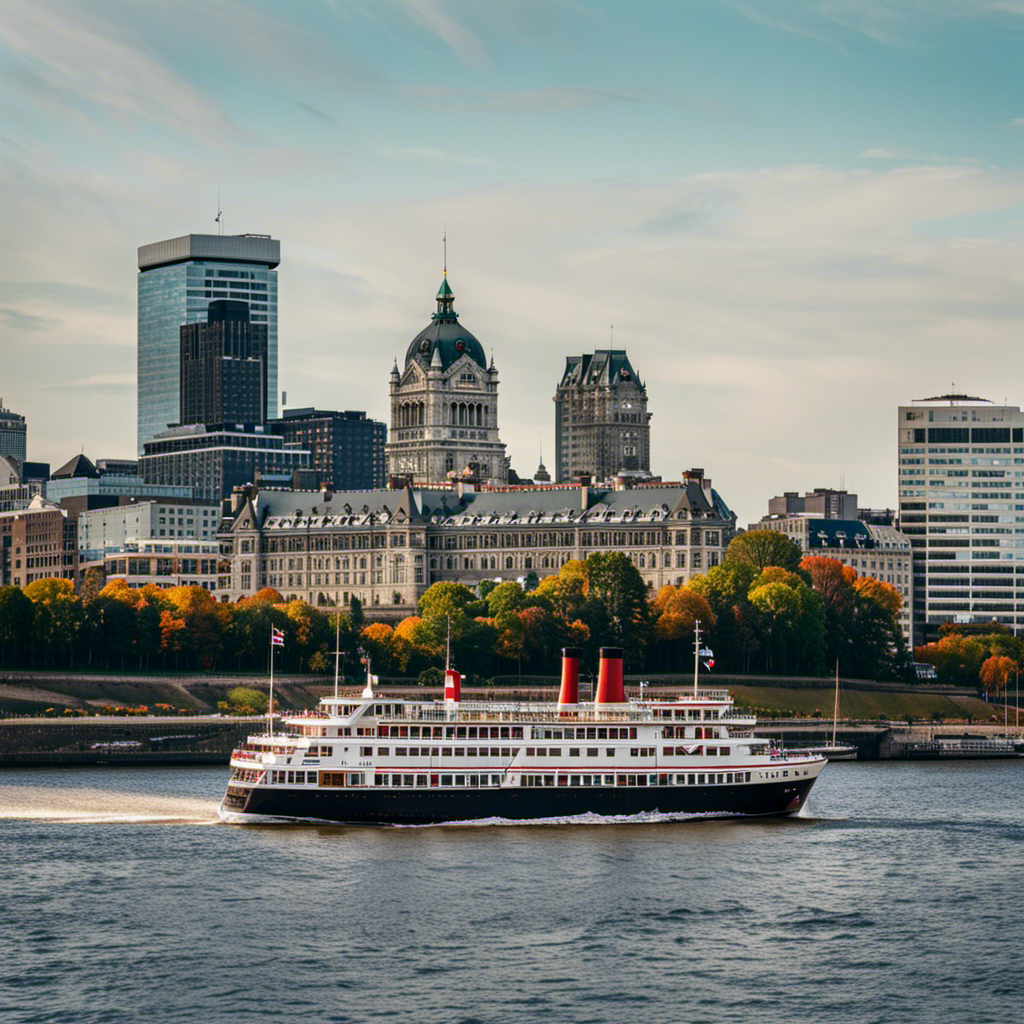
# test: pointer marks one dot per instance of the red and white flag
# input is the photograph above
(277, 637)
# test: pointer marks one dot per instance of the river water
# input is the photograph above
(895, 897)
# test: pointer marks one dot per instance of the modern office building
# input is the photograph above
(346, 448)
(386, 547)
(105, 531)
(224, 367)
(165, 563)
(213, 460)
(178, 278)
(79, 485)
(822, 502)
(602, 426)
(12, 433)
(20, 482)
(961, 496)
(444, 406)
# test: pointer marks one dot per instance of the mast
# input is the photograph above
(835, 710)
(270, 703)
(337, 651)
(696, 653)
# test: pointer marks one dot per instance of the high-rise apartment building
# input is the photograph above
(822, 502)
(224, 367)
(178, 278)
(347, 448)
(12, 433)
(444, 405)
(602, 425)
(961, 494)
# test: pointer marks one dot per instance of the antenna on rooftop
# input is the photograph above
(219, 219)
(444, 242)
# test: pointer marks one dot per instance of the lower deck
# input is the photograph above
(424, 806)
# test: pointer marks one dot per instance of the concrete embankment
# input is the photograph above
(120, 741)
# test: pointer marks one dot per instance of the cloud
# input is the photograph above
(84, 67)
(314, 112)
(436, 156)
(102, 380)
(467, 45)
(18, 321)
(545, 99)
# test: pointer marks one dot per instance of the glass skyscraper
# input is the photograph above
(178, 279)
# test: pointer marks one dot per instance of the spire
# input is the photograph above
(445, 302)
(394, 368)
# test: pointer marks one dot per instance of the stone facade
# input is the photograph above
(387, 547)
(602, 426)
(444, 406)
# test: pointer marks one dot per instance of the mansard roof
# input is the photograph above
(606, 368)
(288, 510)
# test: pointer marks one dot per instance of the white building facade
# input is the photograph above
(961, 501)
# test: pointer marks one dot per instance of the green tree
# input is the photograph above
(248, 700)
(762, 548)
(615, 583)
(16, 614)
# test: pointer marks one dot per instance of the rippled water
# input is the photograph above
(894, 899)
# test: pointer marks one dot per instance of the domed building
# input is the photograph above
(444, 406)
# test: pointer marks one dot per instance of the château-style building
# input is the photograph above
(444, 406)
(602, 426)
(386, 547)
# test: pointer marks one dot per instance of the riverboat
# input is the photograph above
(376, 759)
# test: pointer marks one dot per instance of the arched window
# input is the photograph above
(453, 414)
(508, 561)
(528, 562)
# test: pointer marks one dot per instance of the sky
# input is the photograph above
(794, 216)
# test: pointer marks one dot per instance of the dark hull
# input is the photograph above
(380, 806)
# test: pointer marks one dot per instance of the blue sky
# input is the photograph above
(796, 215)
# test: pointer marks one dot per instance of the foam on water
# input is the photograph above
(98, 806)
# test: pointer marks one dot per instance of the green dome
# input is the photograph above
(445, 336)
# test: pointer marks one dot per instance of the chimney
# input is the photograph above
(609, 677)
(570, 691)
(452, 685)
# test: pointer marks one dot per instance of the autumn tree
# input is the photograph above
(996, 671)
(762, 548)
(56, 620)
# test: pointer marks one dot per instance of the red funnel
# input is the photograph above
(452, 685)
(570, 691)
(609, 677)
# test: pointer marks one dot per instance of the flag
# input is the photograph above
(276, 637)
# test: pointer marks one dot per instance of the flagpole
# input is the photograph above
(270, 705)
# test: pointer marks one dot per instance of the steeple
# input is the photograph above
(445, 302)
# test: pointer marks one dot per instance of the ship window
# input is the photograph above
(549, 780)
(495, 752)
(460, 780)
(555, 752)
(591, 751)
(407, 780)
(446, 780)
(574, 780)
(380, 780)
(602, 734)
(421, 780)
(574, 752)
(700, 779)
(459, 751)
(401, 751)
(470, 751)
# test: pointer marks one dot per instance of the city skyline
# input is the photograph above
(797, 217)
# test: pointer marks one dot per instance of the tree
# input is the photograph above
(248, 700)
(996, 671)
(505, 597)
(93, 582)
(616, 584)
(16, 613)
(762, 548)
(56, 620)
(676, 610)
(957, 658)
(444, 602)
